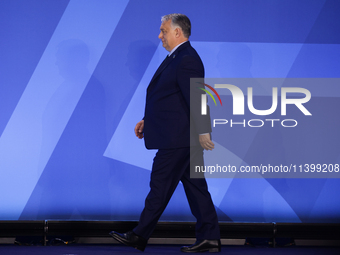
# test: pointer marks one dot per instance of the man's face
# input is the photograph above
(167, 35)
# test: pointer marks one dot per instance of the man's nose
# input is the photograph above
(160, 35)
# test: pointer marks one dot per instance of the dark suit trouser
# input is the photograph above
(169, 167)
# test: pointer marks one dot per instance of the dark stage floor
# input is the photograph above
(159, 250)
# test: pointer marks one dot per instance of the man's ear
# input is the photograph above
(178, 32)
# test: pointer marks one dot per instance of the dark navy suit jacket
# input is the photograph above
(168, 123)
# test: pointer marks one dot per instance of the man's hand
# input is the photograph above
(206, 142)
(139, 129)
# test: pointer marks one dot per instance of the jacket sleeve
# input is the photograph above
(191, 67)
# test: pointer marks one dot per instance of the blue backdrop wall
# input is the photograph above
(73, 76)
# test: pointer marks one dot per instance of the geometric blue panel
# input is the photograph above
(73, 83)
(53, 93)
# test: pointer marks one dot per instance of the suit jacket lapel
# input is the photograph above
(166, 62)
(161, 67)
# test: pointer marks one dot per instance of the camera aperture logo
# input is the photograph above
(238, 98)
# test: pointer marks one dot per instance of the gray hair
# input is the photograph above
(179, 21)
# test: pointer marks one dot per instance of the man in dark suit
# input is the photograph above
(180, 134)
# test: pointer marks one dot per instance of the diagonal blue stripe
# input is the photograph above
(53, 92)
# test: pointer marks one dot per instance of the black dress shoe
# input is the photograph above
(130, 239)
(203, 245)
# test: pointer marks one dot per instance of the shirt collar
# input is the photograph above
(175, 48)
